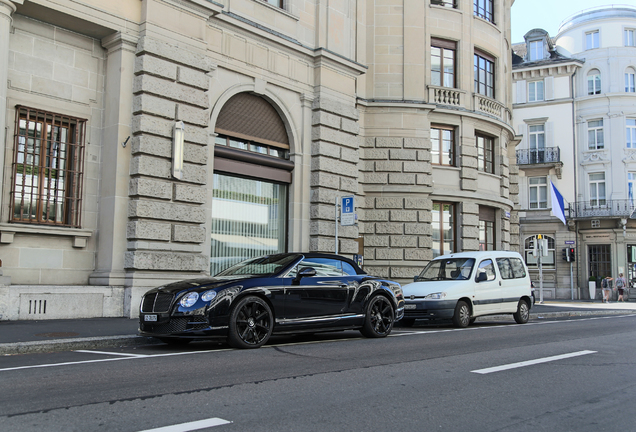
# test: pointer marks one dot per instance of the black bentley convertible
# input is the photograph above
(282, 293)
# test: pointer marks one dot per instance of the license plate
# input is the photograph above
(150, 317)
(409, 306)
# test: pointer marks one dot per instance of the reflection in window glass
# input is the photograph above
(487, 267)
(248, 220)
(443, 228)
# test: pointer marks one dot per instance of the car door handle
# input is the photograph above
(339, 284)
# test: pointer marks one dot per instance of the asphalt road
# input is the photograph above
(559, 375)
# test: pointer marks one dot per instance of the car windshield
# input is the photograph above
(262, 266)
(447, 269)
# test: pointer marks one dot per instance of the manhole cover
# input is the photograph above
(58, 334)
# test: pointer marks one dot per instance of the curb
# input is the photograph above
(57, 345)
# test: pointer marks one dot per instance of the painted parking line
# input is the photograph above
(191, 426)
(532, 362)
(111, 353)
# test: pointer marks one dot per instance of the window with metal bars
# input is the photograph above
(47, 168)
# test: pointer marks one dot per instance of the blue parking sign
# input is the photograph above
(347, 215)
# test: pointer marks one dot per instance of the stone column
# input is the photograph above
(7, 8)
(115, 163)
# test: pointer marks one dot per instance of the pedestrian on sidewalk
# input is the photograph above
(620, 286)
(607, 288)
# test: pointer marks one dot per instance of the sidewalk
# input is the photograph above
(25, 337)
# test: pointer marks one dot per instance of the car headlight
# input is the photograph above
(436, 296)
(208, 295)
(189, 299)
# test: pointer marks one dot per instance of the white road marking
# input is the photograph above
(532, 362)
(191, 426)
(112, 353)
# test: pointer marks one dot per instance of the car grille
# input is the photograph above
(157, 302)
(177, 325)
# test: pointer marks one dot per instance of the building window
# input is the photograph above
(485, 154)
(629, 37)
(594, 82)
(630, 139)
(443, 228)
(591, 40)
(535, 51)
(47, 168)
(484, 68)
(629, 80)
(443, 62)
(445, 3)
(248, 220)
(631, 181)
(487, 217)
(597, 189)
(538, 192)
(443, 145)
(536, 138)
(484, 9)
(595, 135)
(599, 259)
(531, 260)
(277, 3)
(535, 91)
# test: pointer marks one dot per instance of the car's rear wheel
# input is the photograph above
(379, 318)
(251, 323)
(461, 318)
(523, 312)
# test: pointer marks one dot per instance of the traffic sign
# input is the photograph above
(347, 212)
(569, 242)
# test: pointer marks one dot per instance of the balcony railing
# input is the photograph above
(446, 96)
(602, 209)
(539, 156)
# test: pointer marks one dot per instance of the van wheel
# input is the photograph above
(461, 318)
(523, 312)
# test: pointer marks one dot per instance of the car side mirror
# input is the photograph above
(305, 272)
(415, 278)
(482, 276)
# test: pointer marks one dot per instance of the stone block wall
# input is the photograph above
(167, 217)
(334, 172)
(396, 175)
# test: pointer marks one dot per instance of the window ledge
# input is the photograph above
(80, 236)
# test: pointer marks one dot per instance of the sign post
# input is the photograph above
(346, 204)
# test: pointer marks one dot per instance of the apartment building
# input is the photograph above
(574, 107)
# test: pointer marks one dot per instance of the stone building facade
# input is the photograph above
(283, 106)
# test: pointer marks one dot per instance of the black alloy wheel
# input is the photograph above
(251, 323)
(378, 321)
(461, 318)
(523, 312)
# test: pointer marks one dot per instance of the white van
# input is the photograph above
(463, 286)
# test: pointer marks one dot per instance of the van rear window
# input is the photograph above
(511, 268)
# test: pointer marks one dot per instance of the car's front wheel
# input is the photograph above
(523, 312)
(251, 323)
(379, 318)
(461, 318)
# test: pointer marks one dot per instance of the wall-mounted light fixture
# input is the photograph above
(177, 149)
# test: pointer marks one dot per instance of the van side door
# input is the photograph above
(487, 295)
